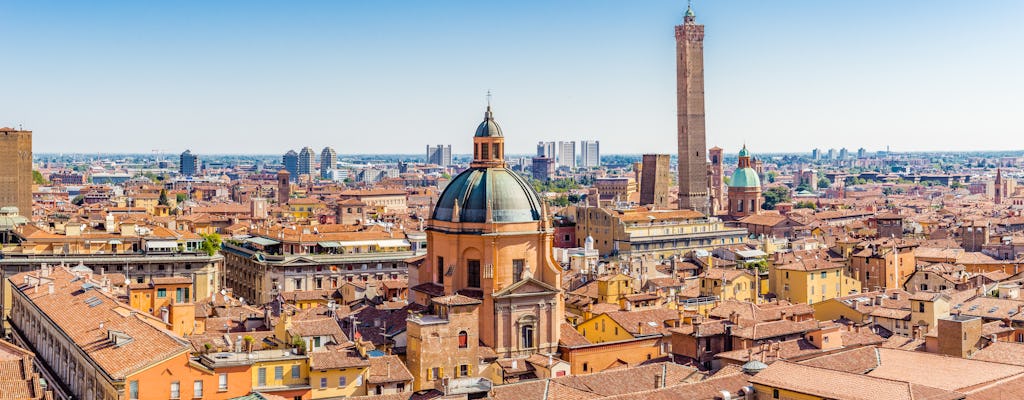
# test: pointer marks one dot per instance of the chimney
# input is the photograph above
(639, 328)
(49, 287)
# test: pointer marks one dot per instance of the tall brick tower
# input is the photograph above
(716, 179)
(693, 166)
(16, 170)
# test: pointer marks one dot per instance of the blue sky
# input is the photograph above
(391, 77)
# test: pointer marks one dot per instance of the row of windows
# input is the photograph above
(342, 382)
(197, 388)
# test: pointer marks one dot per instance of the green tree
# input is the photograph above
(560, 201)
(770, 176)
(211, 243)
(775, 195)
(803, 188)
(180, 198)
(807, 204)
(163, 198)
(38, 179)
(824, 182)
(78, 200)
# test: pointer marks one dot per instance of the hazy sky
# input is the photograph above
(391, 77)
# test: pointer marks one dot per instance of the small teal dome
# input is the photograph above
(488, 128)
(746, 178)
(744, 152)
(754, 366)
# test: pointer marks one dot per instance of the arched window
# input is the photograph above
(463, 340)
(526, 337)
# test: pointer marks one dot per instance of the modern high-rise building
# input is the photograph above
(188, 164)
(16, 170)
(546, 149)
(654, 180)
(542, 168)
(816, 154)
(843, 153)
(328, 162)
(590, 153)
(440, 155)
(307, 161)
(861, 153)
(291, 164)
(567, 154)
(693, 165)
(831, 154)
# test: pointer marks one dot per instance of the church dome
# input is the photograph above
(488, 128)
(745, 178)
(512, 199)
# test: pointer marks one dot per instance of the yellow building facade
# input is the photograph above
(811, 281)
(729, 284)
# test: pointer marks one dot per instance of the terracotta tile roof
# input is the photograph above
(318, 326)
(777, 351)
(306, 295)
(89, 326)
(856, 361)
(386, 369)
(950, 373)
(620, 381)
(1001, 352)
(455, 300)
(723, 273)
(727, 379)
(902, 343)
(644, 322)
(810, 265)
(763, 219)
(772, 329)
(336, 357)
(842, 385)
(571, 337)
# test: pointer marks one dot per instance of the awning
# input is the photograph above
(262, 241)
(115, 241)
(161, 244)
(329, 244)
(380, 243)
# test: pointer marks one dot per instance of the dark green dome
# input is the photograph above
(488, 128)
(512, 199)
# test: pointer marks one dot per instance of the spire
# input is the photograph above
(488, 115)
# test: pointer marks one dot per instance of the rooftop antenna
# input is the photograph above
(488, 98)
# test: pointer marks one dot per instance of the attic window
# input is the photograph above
(118, 338)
